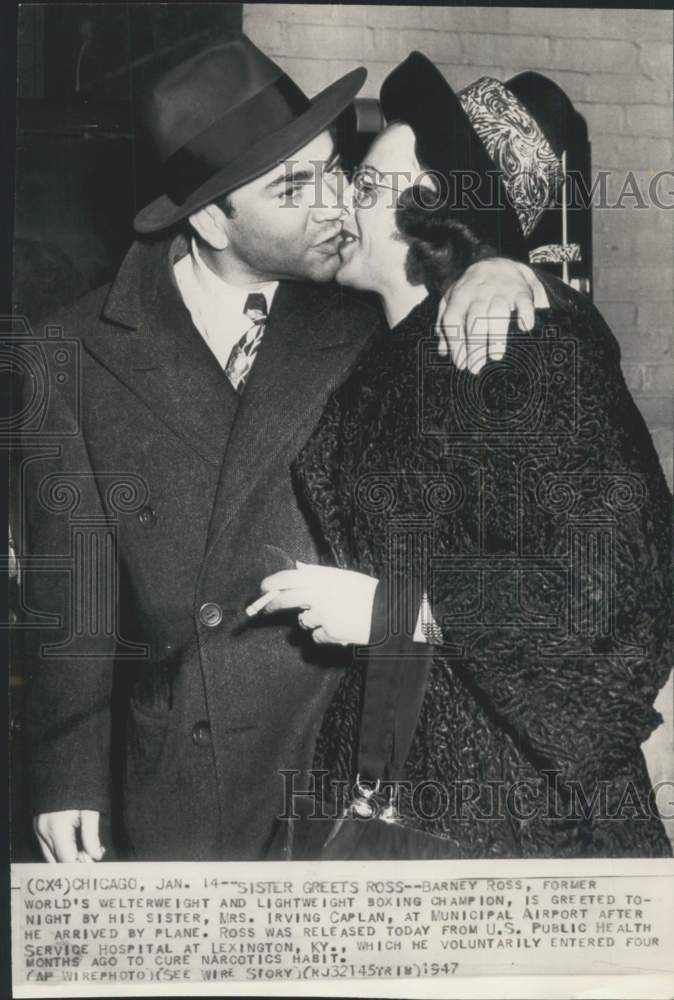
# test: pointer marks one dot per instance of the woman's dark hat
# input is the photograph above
(223, 118)
(505, 142)
(548, 105)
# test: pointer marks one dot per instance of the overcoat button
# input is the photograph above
(201, 734)
(210, 614)
(147, 517)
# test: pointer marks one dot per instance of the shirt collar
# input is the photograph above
(231, 298)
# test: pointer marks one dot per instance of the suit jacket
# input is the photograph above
(531, 506)
(152, 478)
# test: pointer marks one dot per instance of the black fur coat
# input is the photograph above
(542, 504)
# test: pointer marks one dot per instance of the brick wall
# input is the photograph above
(616, 66)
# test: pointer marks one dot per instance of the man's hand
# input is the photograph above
(57, 835)
(474, 316)
(336, 603)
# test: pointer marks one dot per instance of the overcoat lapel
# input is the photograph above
(308, 345)
(148, 341)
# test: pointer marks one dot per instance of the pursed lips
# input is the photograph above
(349, 239)
(331, 244)
(335, 243)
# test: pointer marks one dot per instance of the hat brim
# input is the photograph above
(416, 93)
(163, 212)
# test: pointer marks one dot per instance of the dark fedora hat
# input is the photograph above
(223, 118)
(508, 138)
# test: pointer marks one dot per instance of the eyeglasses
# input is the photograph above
(365, 182)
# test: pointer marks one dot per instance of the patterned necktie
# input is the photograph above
(243, 353)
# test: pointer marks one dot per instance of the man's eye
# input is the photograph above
(288, 191)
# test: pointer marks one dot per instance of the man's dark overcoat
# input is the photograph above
(531, 507)
(192, 483)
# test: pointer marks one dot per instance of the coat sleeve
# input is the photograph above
(66, 657)
(579, 697)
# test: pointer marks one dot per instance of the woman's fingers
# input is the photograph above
(280, 581)
(306, 575)
(294, 588)
(477, 336)
(468, 312)
(524, 308)
(450, 332)
(309, 619)
(486, 288)
(459, 350)
(292, 597)
(499, 321)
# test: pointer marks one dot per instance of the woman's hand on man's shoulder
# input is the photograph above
(475, 313)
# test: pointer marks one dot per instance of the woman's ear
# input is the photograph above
(210, 223)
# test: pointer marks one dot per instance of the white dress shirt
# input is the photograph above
(216, 308)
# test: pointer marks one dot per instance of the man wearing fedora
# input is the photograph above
(228, 289)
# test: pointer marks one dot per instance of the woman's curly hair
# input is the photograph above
(440, 247)
(441, 244)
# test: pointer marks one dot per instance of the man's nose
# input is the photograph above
(332, 195)
(348, 198)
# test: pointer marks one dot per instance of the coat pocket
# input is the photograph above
(146, 737)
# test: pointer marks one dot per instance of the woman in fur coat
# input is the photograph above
(497, 547)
